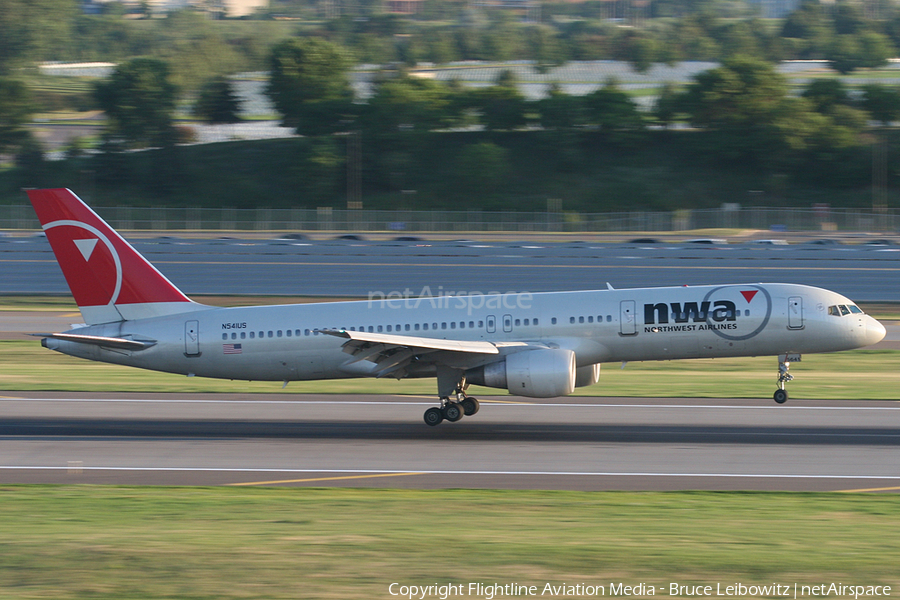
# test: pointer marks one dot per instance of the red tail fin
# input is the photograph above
(109, 279)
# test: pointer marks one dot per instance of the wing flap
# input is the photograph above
(405, 341)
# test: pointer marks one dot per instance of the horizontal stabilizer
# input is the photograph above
(98, 340)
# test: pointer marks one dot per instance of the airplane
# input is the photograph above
(539, 345)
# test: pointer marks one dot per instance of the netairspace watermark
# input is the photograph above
(491, 591)
(463, 300)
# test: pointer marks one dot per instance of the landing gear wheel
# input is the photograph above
(470, 406)
(453, 412)
(433, 416)
(780, 396)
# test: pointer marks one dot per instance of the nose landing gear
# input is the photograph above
(784, 366)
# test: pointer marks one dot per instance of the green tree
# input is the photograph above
(560, 110)
(501, 107)
(35, 30)
(139, 101)
(826, 93)
(612, 111)
(866, 50)
(483, 167)
(408, 102)
(881, 102)
(15, 111)
(667, 105)
(308, 83)
(217, 102)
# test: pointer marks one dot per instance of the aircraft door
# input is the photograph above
(795, 312)
(192, 338)
(627, 325)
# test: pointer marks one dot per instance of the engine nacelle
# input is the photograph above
(544, 373)
(587, 375)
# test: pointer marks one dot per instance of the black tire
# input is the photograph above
(453, 412)
(780, 396)
(433, 416)
(470, 406)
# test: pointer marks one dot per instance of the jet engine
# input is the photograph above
(587, 375)
(544, 373)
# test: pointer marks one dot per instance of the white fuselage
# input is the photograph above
(283, 343)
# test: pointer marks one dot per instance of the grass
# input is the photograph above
(859, 374)
(129, 542)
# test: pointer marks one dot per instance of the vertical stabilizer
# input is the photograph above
(109, 279)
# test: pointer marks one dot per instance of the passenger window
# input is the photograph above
(609, 318)
(271, 334)
(471, 324)
(252, 334)
(526, 322)
(224, 336)
(534, 322)
(380, 329)
(288, 333)
(553, 321)
(518, 322)
(452, 324)
(480, 324)
(406, 327)
(581, 319)
(278, 333)
(306, 332)
(416, 326)
(572, 320)
(243, 335)
(443, 326)
(590, 319)
(389, 328)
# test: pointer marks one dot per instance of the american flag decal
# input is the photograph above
(231, 348)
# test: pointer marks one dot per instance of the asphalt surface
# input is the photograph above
(380, 441)
(360, 268)
(512, 443)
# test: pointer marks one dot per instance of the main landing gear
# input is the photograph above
(452, 410)
(784, 366)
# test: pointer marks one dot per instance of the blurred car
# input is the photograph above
(774, 242)
(707, 241)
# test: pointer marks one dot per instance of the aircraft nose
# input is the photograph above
(875, 331)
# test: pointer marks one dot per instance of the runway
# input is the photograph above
(360, 269)
(512, 443)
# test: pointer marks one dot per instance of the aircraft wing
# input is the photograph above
(392, 353)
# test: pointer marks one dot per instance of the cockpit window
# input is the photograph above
(841, 309)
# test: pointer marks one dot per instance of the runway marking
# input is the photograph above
(388, 472)
(488, 400)
(520, 402)
(884, 489)
(324, 479)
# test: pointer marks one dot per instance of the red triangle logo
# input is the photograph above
(748, 296)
